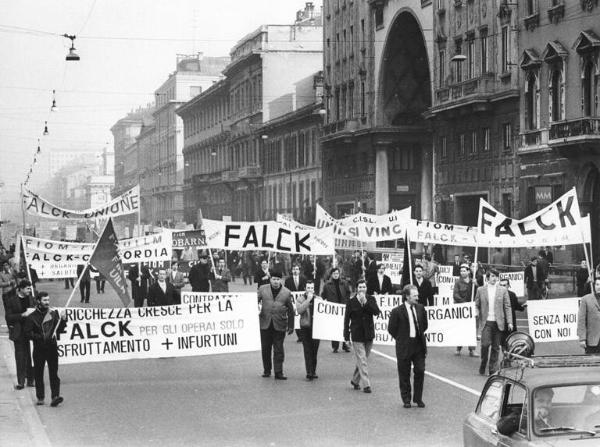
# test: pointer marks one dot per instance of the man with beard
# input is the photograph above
(18, 304)
(41, 327)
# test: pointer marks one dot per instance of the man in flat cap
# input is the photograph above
(276, 317)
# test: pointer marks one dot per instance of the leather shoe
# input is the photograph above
(18, 386)
(280, 376)
(30, 383)
(406, 405)
(55, 401)
(356, 386)
(346, 349)
(266, 374)
(40, 402)
(314, 376)
(367, 389)
(335, 351)
(471, 353)
(420, 404)
(309, 377)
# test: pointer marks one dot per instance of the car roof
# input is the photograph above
(540, 377)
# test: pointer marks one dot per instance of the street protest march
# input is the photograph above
(267, 236)
(126, 203)
(553, 320)
(203, 324)
(560, 223)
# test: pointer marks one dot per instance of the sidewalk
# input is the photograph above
(20, 423)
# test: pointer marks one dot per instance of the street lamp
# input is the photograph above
(72, 56)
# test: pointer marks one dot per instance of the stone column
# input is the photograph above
(382, 180)
(426, 183)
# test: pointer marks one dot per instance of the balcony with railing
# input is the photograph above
(533, 140)
(347, 185)
(248, 172)
(575, 131)
(473, 90)
(230, 176)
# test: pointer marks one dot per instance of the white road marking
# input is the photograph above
(435, 376)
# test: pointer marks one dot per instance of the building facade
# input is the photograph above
(271, 74)
(376, 143)
(475, 112)
(559, 144)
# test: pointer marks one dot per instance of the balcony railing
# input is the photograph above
(249, 172)
(476, 86)
(337, 126)
(362, 184)
(230, 176)
(575, 130)
(532, 139)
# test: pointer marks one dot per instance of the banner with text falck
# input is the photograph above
(559, 223)
(268, 236)
(204, 324)
(126, 203)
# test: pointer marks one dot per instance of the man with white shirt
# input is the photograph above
(407, 325)
(423, 286)
(176, 278)
(493, 307)
(161, 293)
(296, 283)
(379, 284)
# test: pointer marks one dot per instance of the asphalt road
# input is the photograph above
(222, 400)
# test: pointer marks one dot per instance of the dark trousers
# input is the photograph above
(594, 350)
(311, 348)
(136, 292)
(416, 356)
(100, 285)
(84, 290)
(23, 360)
(272, 340)
(335, 345)
(490, 337)
(68, 281)
(41, 355)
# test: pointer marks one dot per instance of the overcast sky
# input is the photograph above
(127, 50)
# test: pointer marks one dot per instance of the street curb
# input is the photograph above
(25, 403)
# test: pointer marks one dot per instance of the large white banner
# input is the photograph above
(328, 321)
(127, 203)
(151, 248)
(392, 262)
(453, 325)
(560, 223)
(268, 236)
(205, 324)
(343, 240)
(553, 320)
(374, 228)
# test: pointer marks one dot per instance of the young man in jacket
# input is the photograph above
(360, 328)
(336, 290)
(305, 307)
(41, 328)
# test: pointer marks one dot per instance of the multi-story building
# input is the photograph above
(475, 111)
(193, 75)
(270, 74)
(560, 111)
(291, 160)
(145, 160)
(376, 143)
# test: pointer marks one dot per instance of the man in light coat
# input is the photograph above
(588, 321)
(493, 307)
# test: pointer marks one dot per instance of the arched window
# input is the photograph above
(556, 93)
(532, 101)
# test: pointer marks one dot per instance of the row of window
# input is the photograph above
(291, 195)
(344, 44)
(293, 151)
(469, 143)
(344, 98)
(211, 114)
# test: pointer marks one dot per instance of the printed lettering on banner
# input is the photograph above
(127, 203)
(328, 323)
(189, 238)
(342, 240)
(374, 228)
(151, 248)
(517, 281)
(205, 324)
(55, 259)
(268, 236)
(559, 223)
(392, 262)
(443, 234)
(453, 325)
(445, 283)
(553, 320)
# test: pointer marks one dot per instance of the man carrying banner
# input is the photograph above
(200, 274)
(175, 277)
(514, 305)
(493, 306)
(336, 290)
(588, 320)
(463, 292)
(407, 325)
(360, 328)
(41, 327)
(305, 308)
(18, 304)
(276, 316)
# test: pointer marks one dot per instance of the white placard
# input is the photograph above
(328, 321)
(553, 320)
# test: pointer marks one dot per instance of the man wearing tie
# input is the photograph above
(262, 276)
(359, 326)
(296, 283)
(379, 284)
(407, 325)
(221, 277)
(161, 293)
(177, 281)
(493, 306)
